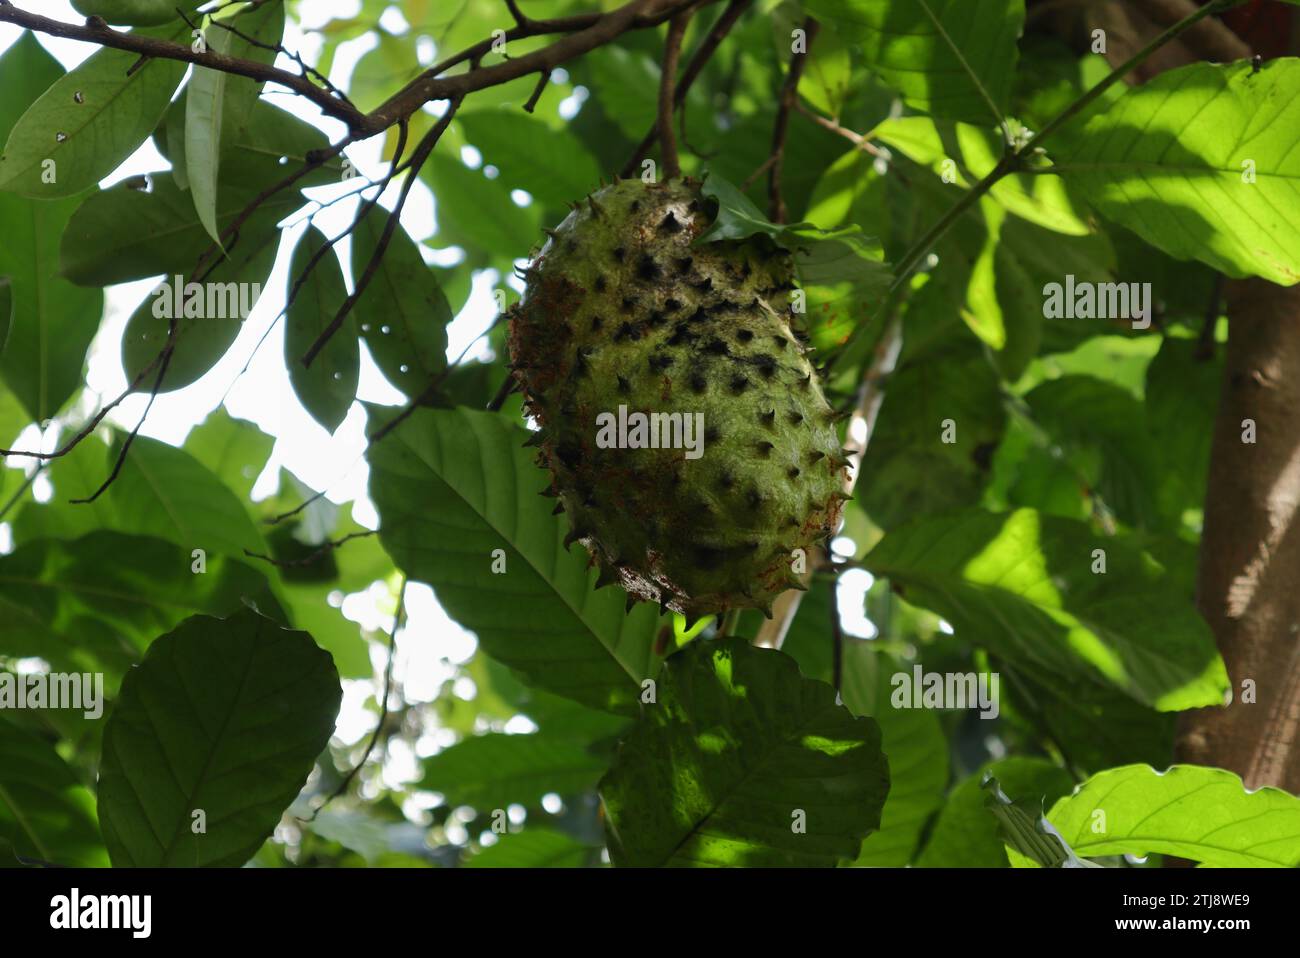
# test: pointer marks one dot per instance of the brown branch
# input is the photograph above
(312, 557)
(721, 27)
(542, 81)
(418, 158)
(667, 92)
(857, 139)
(585, 33)
(789, 96)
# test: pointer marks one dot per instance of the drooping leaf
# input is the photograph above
(213, 95)
(52, 322)
(1201, 161)
(234, 450)
(1202, 814)
(403, 314)
(223, 719)
(742, 761)
(90, 120)
(1022, 585)
(328, 386)
(453, 486)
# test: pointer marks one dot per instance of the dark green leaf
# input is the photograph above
(328, 386)
(494, 770)
(452, 486)
(742, 761)
(223, 718)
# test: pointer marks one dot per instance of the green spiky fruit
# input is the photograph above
(623, 309)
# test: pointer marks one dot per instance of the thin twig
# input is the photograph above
(313, 557)
(789, 95)
(717, 33)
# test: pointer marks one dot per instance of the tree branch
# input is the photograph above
(667, 92)
(789, 96)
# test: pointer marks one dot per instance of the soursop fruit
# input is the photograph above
(623, 314)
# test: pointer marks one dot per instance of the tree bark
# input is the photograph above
(1248, 581)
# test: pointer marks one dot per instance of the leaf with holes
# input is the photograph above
(90, 120)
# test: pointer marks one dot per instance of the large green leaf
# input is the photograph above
(166, 236)
(212, 95)
(95, 603)
(403, 313)
(328, 386)
(453, 486)
(52, 321)
(1167, 161)
(966, 835)
(223, 717)
(208, 316)
(911, 471)
(974, 152)
(550, 164)
(915, 745)
(1202, 814)
(477, 213)
(494, 770)
(89, 121)
(235, 450)
(923, 59)
(135, 13)
(45, 812)
(1022, 585)
(742, 761)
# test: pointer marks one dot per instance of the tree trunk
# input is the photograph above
(1248, 582)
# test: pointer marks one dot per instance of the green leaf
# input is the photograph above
(164, 491)
(6, 310)
(89, 121)
(133, 13)
(1168, 160)
(1182, 398)
(212, 96)
(45, 813)
(534, 847)
(1021, 584)
(924, 61)
(452, 486)
(966, 835)
(264, 144)
(52, 321)
(166, 236)
(234, 450)
(913, 741)
(1202, 814)
(1095, 420)
(225, 717)
(403, 314)
(495, 770)
(328, 386)
(95, 603)
(833, 265)
(550, 164)
(742, 761)
(974, 152)
(209, 315)
(477, 213)
(912, 472)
